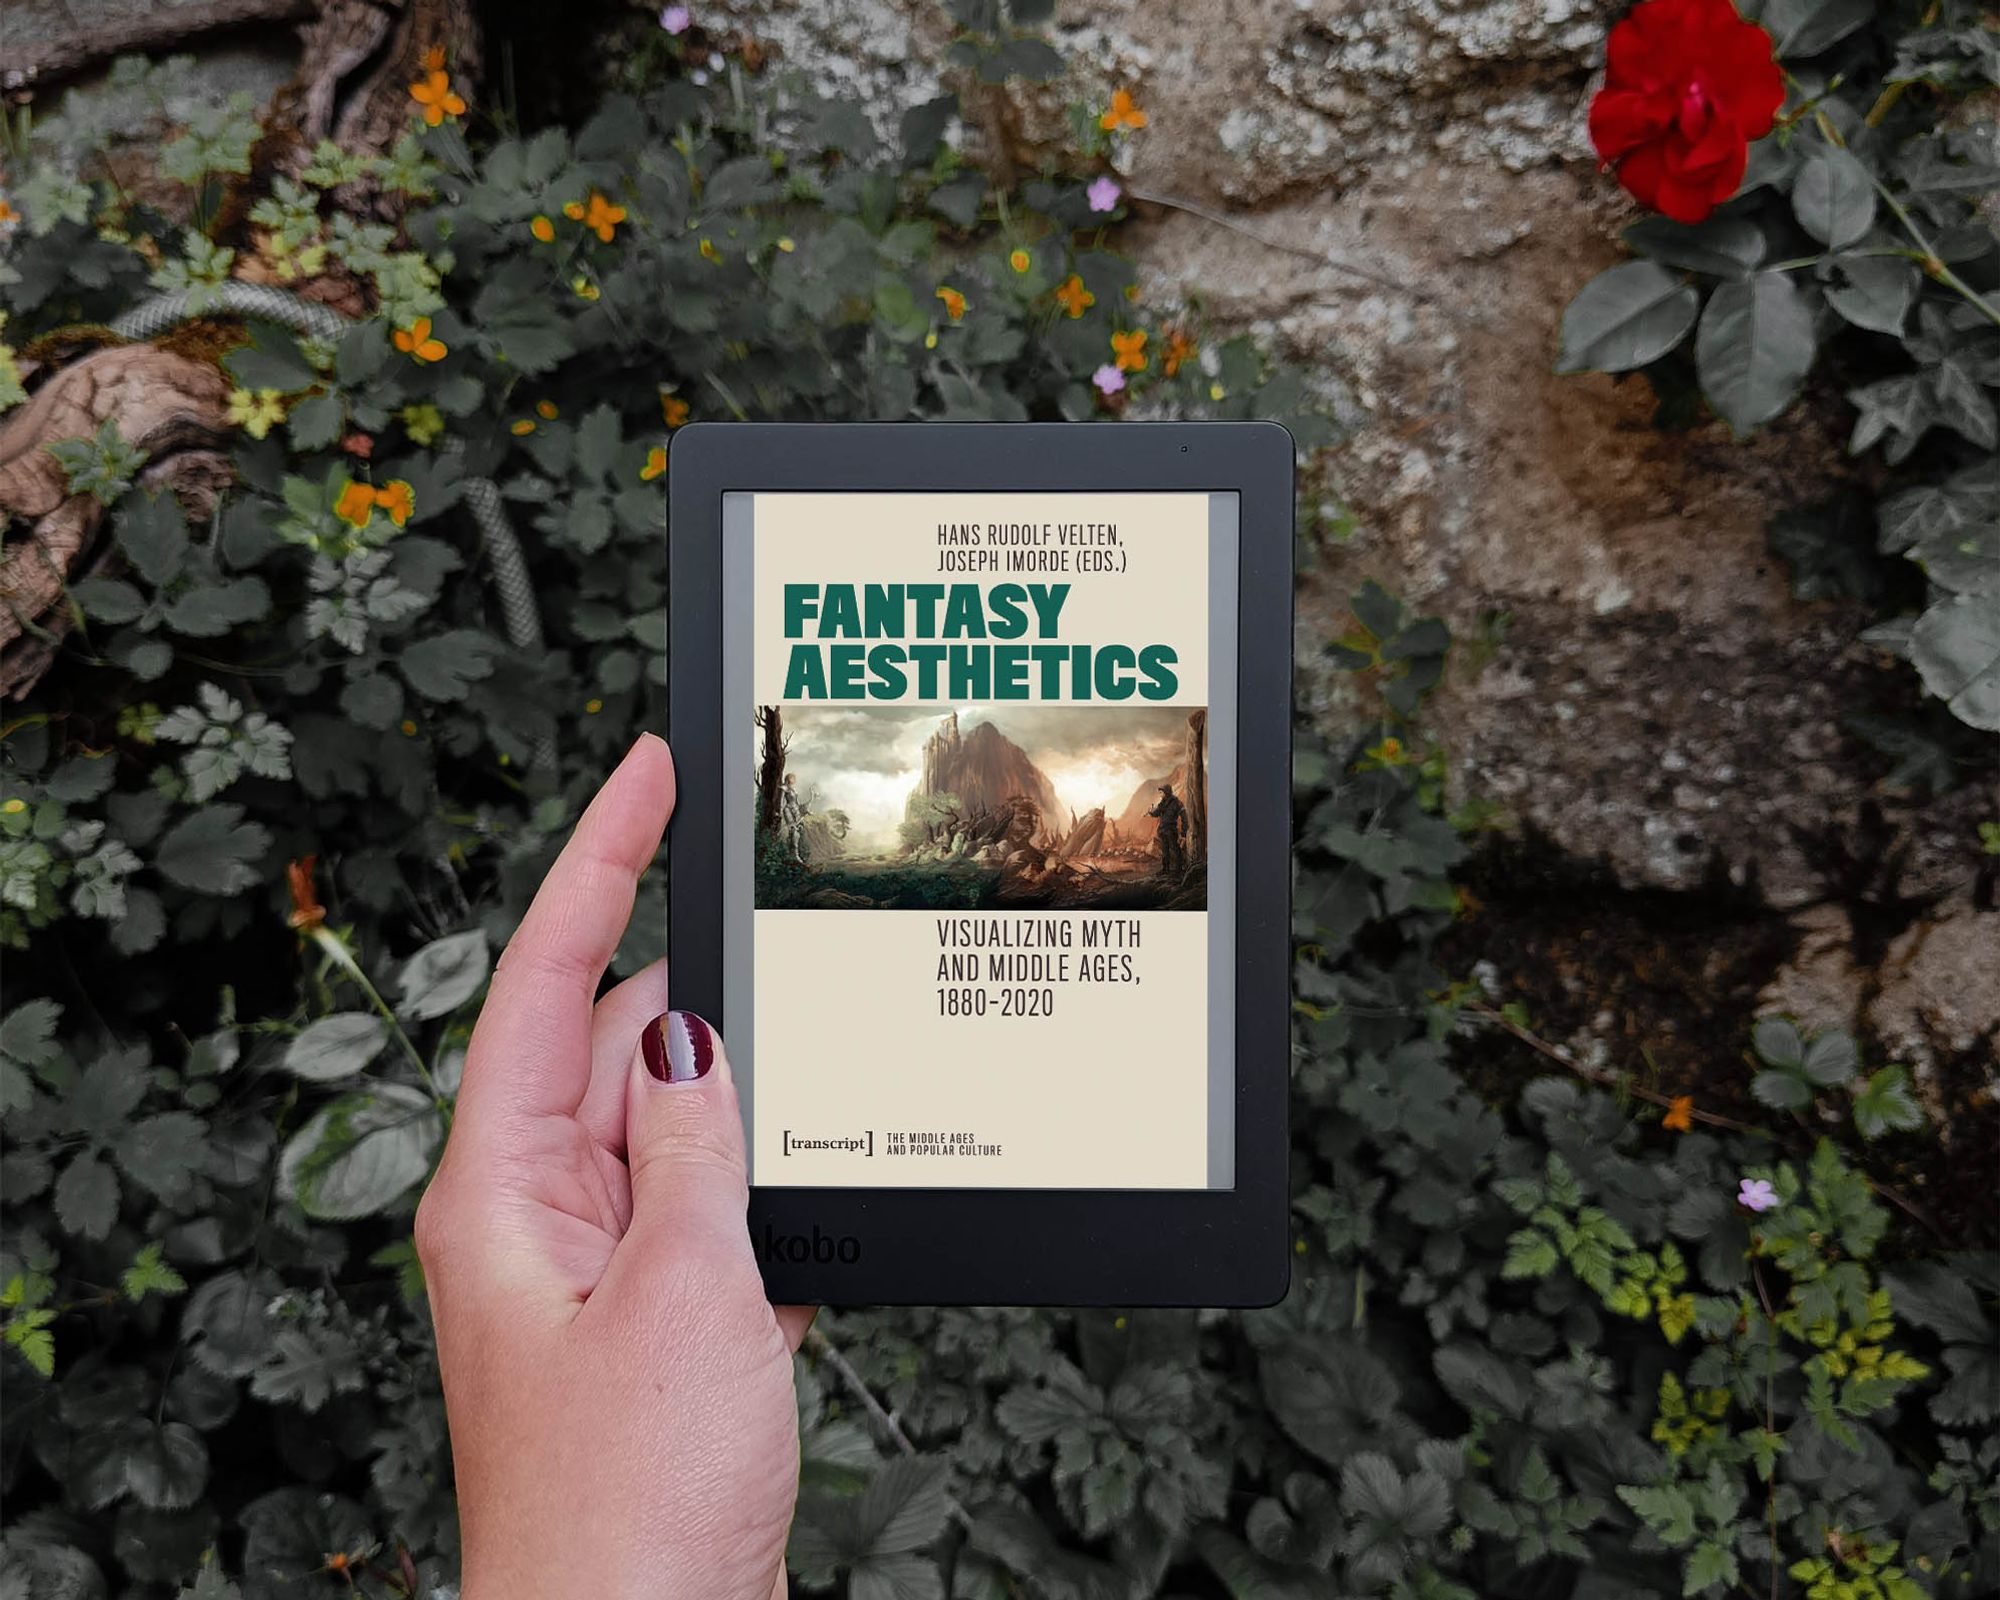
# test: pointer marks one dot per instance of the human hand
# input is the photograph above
(619, 1392)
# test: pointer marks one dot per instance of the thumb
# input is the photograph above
(684, 1146)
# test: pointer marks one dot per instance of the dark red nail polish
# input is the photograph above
(678, 1047)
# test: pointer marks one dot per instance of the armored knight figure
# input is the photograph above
(1171, 832)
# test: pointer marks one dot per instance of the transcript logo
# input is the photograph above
(822, 1249)
(861, 1144)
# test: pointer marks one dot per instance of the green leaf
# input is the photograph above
(308, 1366)
(1886, 1104)
(336, 1047)
(28, 1033)
(225, 1323)
(211, 610)
(1779, 1042)
(1832, 1058)
(153, 534)
(1956, 646)
(1710, 1565)
(1936, 1295)
(1782, 1091)
(1874, 292)
(443, 975)
(316, 422)
(271, 360)
(86, 1197)
(1833, 197)
(446, 667)
(1753, 348)
(1624, 318)
(1667, 1509)
(1726, 247)
(148, 1274)
(213, 850)
(361, 1154)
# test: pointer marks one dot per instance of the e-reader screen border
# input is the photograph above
(1023, 1246)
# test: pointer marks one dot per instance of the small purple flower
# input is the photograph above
(1103, 194)
(675, 19)
(1754, 1194)
(1109, 379)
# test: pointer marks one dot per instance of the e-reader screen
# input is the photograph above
(979, 834)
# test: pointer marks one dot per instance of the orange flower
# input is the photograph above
(356, 505)
(1020, 261)
(1680, 1114)
(521, 427)
(433, 91)
(543, 229)
(1124, 112)
(709, 252)
(656, 463)
(434, 58)
(1074, 297)
(954, 302)
(416, 342)
(1179, 348)
(1129, 350)
(546, 410)
(600, 216)
(307, 912)
(674, 409)
(396, 498)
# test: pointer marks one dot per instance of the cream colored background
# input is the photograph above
(1110, 1092)
(1160, 598)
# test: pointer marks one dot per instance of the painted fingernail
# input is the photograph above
(678, 1047)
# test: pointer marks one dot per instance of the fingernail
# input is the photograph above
(678, 1047)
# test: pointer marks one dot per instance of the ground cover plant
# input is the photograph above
(297, 755)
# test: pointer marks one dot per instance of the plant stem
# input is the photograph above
(1934, 266)
(343, 958)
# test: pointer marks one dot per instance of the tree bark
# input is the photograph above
(1197, 788)
(771, 773)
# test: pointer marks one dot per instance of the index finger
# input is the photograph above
(530, 1053)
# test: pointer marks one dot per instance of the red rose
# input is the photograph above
(1687, 85)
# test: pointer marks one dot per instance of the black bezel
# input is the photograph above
(1014, 1246)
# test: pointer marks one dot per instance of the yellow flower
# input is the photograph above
(546, 410)
(584, 288)
(1216, 391)
(543, 229)
(15, 806)
(1075, 299)
(256, 414)
(1130, 351)
(422, 423)
(1132, 293)
(1123, 112)
(954, 302)
(930, 340)
(356, 505)
(416, 342)
(1179, 348)
(409, 729)
(674, 409)
(1020, 261)
(433, 92)
(396, 498)
(709, 252)
(522, 428)
(1680, 1114)
(593, 706)
(600, 216)
(785, 244)
(656, 463)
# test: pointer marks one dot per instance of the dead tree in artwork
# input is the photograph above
(1197, 788)
(771, 770)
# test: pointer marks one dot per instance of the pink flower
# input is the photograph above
(1108, 378)
(1754, 1194)
(1103, 194)
(675, 19)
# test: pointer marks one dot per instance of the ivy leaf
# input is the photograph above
(1956, 646)
(1624, 318)
(86, 1197)
(359, 1155)
(1753, 348)
(443, 975)
(336, 1047)
(211, 851)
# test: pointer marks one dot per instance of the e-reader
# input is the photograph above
(981, 856)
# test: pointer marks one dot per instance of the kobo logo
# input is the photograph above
(822, 1249)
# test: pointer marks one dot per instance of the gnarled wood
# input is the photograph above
(170, 406)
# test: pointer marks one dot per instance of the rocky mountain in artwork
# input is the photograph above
(985, 769)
